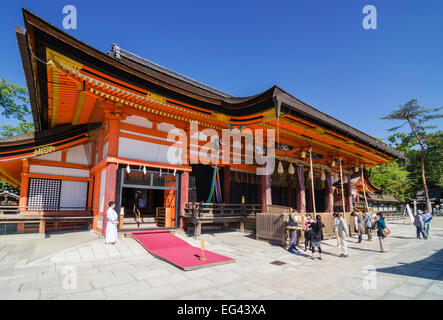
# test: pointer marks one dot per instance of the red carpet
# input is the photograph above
(165, 246)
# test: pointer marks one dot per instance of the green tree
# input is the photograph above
(14, 103)
(417, 117)
(392, 178)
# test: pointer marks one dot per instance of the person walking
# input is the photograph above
(336, 222)
(316, 236)
(419, 225)
(292, 228)
(374, 222)
(358, 226)
(343, 232)
(111, 226)
(307, 230)
(381, 225)
(368, 225)
(427, 217)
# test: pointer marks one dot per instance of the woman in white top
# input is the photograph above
(111, 226)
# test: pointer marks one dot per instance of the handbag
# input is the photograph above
(386, 232)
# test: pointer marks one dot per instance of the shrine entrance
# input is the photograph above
(147, 197)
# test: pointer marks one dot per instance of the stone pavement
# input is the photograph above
(413, 269)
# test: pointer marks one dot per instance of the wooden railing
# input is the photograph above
(206, 213)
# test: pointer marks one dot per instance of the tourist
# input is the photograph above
(374, 222)
(427, 217)
(419, 225)
(342, 234)
(316, 236)
(368, 225)
(292, 228)
(381, 225)
(307, 230)
(336, 222)
(358, 226)
(111, 226)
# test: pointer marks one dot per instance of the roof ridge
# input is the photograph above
(117, 52)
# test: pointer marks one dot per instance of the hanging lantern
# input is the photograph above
(303, 154)
(144, 170)
(128, 169)
(322, 176)
(280, 168)
(333, 163)
(291, 169)
(356, 169)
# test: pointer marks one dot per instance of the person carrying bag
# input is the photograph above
(291, 225)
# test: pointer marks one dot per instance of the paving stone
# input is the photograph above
(187, 286)
(160, 293)
(407, 290)
(22, 295)
(126, 288)
(167, 279)
(436, 288)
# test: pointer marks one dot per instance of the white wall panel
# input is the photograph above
(141, 150)
(59, 171)
(105, 150)
(138, 121)
(77, 155)
(73, 195)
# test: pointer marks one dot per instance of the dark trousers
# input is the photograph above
(313, 249)
(293, 241)
(306, 240)
(420, 230)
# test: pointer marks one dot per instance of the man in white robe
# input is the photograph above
(111, 226)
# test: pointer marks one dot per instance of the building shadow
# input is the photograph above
(429, 268)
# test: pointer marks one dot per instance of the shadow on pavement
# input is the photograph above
(429, 268)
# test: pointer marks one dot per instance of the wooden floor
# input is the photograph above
(131, 224)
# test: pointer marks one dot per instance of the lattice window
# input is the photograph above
(44, 194)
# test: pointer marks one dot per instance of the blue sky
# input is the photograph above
(316, 50)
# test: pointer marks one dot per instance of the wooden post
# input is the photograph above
(227, 184)
(42, 225)
(265, 190)
(349, 206)
(311, 177)
(242, 225)
(329, 198)
(197, 230)
(364, 188)
(300, 189)
(184, 198)
(342, 190)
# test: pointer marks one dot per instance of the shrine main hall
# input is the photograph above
(117, 127)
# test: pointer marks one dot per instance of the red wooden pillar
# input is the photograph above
(184, 189)
(227, 184)
(110, 180)
(289, 193)
(348, 194)
(329, 193)
(111, 168)
(265, 191)
(300, 189)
